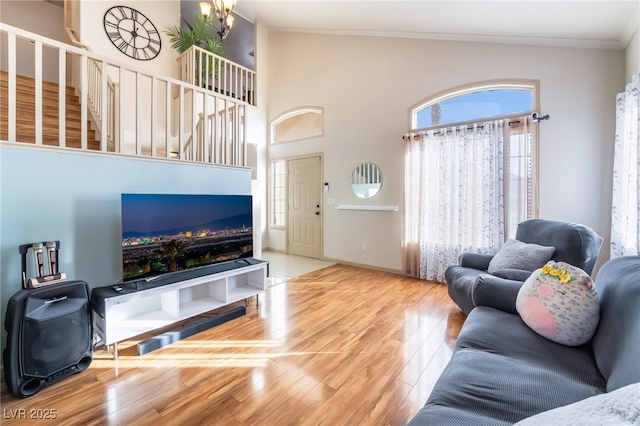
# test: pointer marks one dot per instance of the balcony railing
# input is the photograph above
(119, 109)
(207, 70)
(94, 74)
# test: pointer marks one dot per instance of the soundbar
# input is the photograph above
(188, 330)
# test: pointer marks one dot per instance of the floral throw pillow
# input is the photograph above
(559, 301)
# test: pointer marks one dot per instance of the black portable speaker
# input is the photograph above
(49, 336)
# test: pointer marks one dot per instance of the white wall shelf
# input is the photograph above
(133, 312)
(367, 207)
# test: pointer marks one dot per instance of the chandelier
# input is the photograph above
(223, 10)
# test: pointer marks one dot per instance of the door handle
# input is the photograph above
(317, 213)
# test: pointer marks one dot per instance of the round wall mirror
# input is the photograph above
(366, 180)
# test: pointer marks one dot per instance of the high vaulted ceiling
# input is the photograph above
(587, 23)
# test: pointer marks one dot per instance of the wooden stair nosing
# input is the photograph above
(48, 89)
(48, 116)
(25, 81)
(52, 132)
(26, 103)
(30, 96)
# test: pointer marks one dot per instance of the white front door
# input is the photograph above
(304, 223)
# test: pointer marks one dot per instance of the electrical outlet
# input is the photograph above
(364, 247)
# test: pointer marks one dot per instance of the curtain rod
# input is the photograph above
(480, 126)
(534, 117)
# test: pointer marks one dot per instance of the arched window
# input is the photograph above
(300, 123)
(474, 103)
(470, 173)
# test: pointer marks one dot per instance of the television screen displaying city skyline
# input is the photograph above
(165, 233)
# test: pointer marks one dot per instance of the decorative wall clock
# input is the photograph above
(132, 33)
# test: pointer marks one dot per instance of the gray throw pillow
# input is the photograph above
(512, 274)
(515, 254)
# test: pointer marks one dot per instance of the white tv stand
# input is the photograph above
(135, 309)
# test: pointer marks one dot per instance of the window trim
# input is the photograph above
(532, 85)
(272, 197)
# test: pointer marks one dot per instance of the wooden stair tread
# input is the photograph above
(48, 114)
(47, 90)
(24, 81)
(30, 89)
(29, 129)
(26, 115)
(29, 103)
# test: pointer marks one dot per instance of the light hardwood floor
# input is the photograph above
(338, 346)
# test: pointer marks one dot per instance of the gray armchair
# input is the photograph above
(470, 285)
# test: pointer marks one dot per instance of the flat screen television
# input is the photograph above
(166, 233)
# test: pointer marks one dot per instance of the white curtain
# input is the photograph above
(625, 212)
(454, 196)
(521, 190)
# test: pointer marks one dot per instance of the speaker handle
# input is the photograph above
(52, 250)
(23, 249)
(60, 299)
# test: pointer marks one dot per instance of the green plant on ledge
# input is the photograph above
(200, 34)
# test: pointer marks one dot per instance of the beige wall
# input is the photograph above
(162, 14)
(38, 17)
(366, 86)
(632, 56)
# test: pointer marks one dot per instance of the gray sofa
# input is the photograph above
(469, 284)
(502, 372)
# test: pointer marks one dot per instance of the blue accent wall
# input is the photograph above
(48, 195)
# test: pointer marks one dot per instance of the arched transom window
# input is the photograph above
(475, 103)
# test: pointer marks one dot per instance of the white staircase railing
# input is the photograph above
(95, 94)
(207, 70)
(221, 136)
(94, 97)
(147, 114)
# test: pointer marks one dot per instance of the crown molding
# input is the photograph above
(474, 38)
(631, 29)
